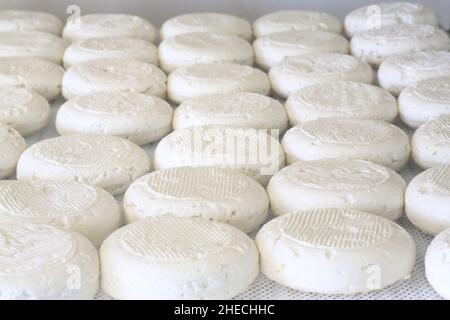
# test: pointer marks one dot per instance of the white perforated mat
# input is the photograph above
(416, 287)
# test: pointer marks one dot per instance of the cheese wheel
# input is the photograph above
(187, 49)
(110, 47)
(387, 14)
(177, 258)
(42, 262)
(344, 99)
(335, 251)
(212, 78)
(240, 109)
(11, 147)
(111, 163)
(24, 110)
(430, 144)
(346, 184)
(404, 70)
(32, 44)
(42, 76)
(87, 210)
(427, 198)
(211, 193)
(206, 22)
(113, 74)
(375, 45)
(23, 20)
(332, 138)
(437, 265)
(250, 151)
(426, 100)
(296, 20)
(137, 117)
(271, 49)
(108, 25)
(295, 73)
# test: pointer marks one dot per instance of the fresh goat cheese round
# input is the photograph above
(168, 257)
(332, 138)
(23, 20)
(335, 183)
(437, 264)
(111, 163)
(211, 193)
(42, 262)
(137, 117)
(335, 251)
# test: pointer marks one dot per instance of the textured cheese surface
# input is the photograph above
(337, 174)
(423, 60)
(22, 20)
(440, 129)
(296, 20)
(220, 72)
(402, 32)
(439, 178)
(206, 22)
(436, 89)
(12, 144)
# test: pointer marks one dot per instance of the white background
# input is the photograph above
(158, 11)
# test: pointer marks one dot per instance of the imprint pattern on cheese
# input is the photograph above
(200, 21)
(203, 41)
(221, 72)
(300, 39)
(33, 248)
(347, 131)
(116, 21)
(439, 178)
(112, 71)
(83, 151)
(434, 89)
(440, 128)
(401, 33)
(337, 96)
(337, 229)
(22, 67)
(197, 183)
(293, 18)
(338, 175)
(112, 44)
(116, 103)
(176, 239)
(45, 198)
(423, 60)
(323, 64)
(242, 103)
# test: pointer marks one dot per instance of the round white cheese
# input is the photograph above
(430, 144)
(88, 210)
(108, 25)
(42, 76)
(387, 14)
(335, 251)
(296, 20)
(240, 109)
(404, 70)
(295, 73)
(437, 264)
(109, 162)
(32, 44)
(426, 100)
(344, 99)
(211, 193)
(206, 22)
(211, 78)
(272, 48)
(331, 138)
(170, 257)
(113, 74)
(335, 183)
(110, 47)
(23, 20)
(253, 152)
(202, 47)
(24, 110)
(427, 199)
(375, 45)
(12, 144)
(42, 262)
(137, 117)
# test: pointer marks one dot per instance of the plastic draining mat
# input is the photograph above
(414, 288)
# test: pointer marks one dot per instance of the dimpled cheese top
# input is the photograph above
(22, 20)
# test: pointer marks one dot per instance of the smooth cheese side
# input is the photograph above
(12, 144)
